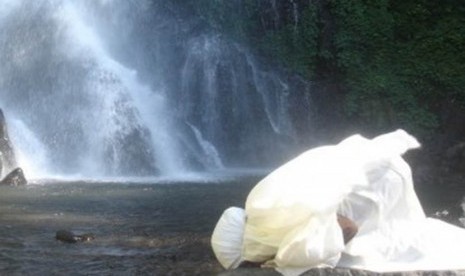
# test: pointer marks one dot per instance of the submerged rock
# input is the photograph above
(70, 237)
(14, 178)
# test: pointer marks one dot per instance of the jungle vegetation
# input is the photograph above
(399, 63)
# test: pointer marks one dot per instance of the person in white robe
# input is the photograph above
(290, 220)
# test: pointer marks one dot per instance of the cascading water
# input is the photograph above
(129, 88)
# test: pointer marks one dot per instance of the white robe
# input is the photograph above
(292, 221)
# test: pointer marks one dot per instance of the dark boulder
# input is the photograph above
(70, 237)
(14, 178)
(455, 156)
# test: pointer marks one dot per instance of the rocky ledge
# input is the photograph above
(338, 272)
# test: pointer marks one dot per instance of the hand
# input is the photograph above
(349, 228)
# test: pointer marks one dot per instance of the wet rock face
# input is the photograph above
(7, 156)
(14, 178)
(8, 165)
(455, 156)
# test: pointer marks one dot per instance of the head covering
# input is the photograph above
(227, 237)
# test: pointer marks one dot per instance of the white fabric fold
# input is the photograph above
(226, 240)
(291, 215)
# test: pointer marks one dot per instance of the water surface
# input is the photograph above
(140, 228)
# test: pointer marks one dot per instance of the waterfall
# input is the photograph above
(28, 145)
(134, 88)
(295, 14)
(213, 158)
(276, 15)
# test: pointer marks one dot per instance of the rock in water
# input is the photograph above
(70, 237)
(14, 178)
(65, 236)
(7, 154)
(85, 237)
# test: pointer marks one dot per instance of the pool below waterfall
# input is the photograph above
(140, 228)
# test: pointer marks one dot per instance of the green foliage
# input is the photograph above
(398, 59)
(295, 44)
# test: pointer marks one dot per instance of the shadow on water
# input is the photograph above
(142, 229)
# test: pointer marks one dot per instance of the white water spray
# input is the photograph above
(113, 88)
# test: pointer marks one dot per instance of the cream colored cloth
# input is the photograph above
(394, 233)
(291, 221)
(227, 237)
